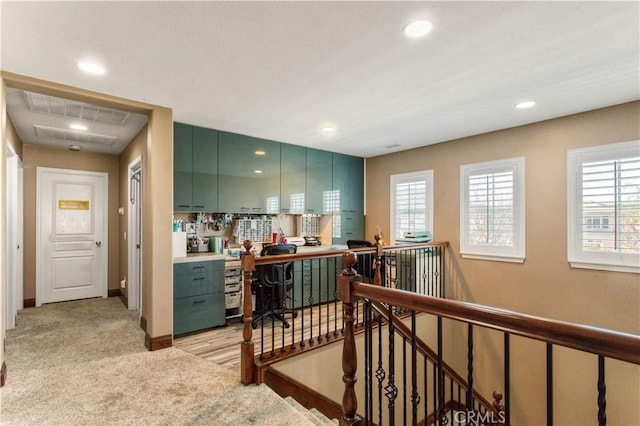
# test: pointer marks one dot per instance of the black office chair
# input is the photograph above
(272, 286)
(365, 265)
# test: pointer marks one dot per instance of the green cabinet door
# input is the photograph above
(205, 170)
(319, 182)
(348, 184)
(248, 174)
(182, 167)
(293, 179)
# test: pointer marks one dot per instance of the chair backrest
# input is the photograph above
(281, 273)
(279, 249)
(359, 244)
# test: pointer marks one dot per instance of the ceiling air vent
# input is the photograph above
(45, 132)
(51, 105)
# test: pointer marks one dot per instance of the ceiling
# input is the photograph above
(282, 70)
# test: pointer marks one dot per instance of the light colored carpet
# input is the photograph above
(107, 382)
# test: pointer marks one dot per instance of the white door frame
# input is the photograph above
(14, 194)
(134, 235)
(104, 252)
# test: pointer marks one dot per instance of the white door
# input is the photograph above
(71, 229)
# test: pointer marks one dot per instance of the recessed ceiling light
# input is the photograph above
(260, 152)
(91, 67)
(257, 172)
(417, 29)
(525, 104)
(74, 148)
(78, 126)
(328, 128)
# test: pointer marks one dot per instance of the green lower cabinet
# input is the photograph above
(315, 281)
(198, 296)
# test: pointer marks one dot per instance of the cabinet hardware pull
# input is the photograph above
(198, 301)
(198, 267)
(199, 207)
(198, 279)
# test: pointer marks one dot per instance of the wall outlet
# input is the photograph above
(123, 283)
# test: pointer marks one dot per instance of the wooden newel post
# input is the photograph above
(377, 277)
(498, 408)
(349, 356)
(247, 363)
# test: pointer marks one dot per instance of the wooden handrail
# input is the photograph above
(612, 344)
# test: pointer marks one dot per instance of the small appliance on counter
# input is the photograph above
(298, 241)
(312, 240)
(179, 247)
(415, 237)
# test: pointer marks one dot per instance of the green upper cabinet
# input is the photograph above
(205, 169)
(293, 179)
(195, 170)
(348, 179)
(248, 174)
(348, 186)
(319, 182)
(182, 167)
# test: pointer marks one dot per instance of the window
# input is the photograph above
(603, 207)
(411, 203)
(492, 210)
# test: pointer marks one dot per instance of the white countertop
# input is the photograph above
(200, 257)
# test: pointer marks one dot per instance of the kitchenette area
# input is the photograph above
(229, 188)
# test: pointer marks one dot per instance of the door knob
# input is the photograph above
(99, 243)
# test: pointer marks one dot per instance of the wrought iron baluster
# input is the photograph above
(470, 367)
(391, 390)
(440, 410)
(602, 393)
(549, 384)
(380, 373)
(415, 396)
(507, 380)
(368, 363)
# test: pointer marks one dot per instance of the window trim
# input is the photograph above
(577, 258)
(397, 178)
(517, 253)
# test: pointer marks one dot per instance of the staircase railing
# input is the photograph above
(603, 343)
(318, 318)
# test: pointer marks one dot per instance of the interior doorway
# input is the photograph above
(134, 230)
(14, 193)
(71, 234)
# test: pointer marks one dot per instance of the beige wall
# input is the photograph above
(134, 150)
(544, 284)
(37, 156)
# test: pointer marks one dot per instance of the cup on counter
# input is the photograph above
(216, 245)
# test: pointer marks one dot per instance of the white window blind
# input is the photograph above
(604, 207)
(412, 203)
(490, 213)
(492, 210)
